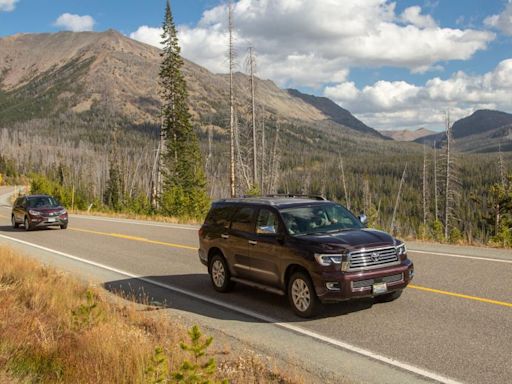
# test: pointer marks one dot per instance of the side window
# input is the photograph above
(220, 216)
(267, 222)
(243, 220)
(17, 203)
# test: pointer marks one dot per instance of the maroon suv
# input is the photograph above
(38, 211)
(310, 249)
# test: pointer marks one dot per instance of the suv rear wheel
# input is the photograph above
(219, 274)
(14, 223)
(302, 296)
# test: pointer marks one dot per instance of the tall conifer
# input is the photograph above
(184, 182)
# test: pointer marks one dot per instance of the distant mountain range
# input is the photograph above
(335, 112)
(46, 74)
(407, 135)
(482, 131)
(43, 75)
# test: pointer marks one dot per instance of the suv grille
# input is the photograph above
(373, 258)
(370, 282)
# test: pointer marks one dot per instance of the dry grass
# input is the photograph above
(134, 216)
(54, 329)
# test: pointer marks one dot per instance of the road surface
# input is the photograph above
(454, 324)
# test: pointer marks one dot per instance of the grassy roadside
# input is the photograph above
(55, 329)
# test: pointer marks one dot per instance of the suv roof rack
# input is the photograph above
(295, 196)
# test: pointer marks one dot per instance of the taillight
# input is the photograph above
(200, 232)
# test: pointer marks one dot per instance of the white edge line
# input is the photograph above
(128, 221)
(462, 256)
(250, 313)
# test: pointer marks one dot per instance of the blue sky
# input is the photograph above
(394, 64)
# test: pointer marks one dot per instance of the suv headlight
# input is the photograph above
(63, 212)
(34, 213)
(327, 260)
(401, 250)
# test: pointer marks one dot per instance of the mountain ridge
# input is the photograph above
(108, 66)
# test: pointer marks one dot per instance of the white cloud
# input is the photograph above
(7, 5)
(75, 23)
(413, 16)
(148, 35)
(502, 21)
(311, 42)
(394, 105)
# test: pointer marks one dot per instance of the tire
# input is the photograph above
(219, 274)
(302, 295)
(64, 226)
(14, 223)
(26, 224)
(386, 298)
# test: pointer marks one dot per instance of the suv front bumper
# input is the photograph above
(334, 286)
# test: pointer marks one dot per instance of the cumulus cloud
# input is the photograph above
(7, 5)
(310, 43)
(398, 104)
(412, 15)
(502, 21)
(75, 23)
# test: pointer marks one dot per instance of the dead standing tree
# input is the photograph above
(425, 191)
(450, 180)
(402, 180)
(251, 64)
(231, 57)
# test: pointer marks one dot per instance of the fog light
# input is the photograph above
(333, 286)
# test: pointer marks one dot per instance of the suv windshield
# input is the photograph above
(319, 219)
(42, 202)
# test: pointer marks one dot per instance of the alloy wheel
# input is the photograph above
(218, 273)
(301, 295)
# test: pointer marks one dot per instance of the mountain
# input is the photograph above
(483, 131)
(407, 135)
(45, 74)
(335, 112)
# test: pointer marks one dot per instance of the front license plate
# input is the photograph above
(52, 220)
(380, 288)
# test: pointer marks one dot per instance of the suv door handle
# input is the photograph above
(252, 242)
(224, 236)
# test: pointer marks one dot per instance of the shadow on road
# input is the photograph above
(21, 229)
(248, 298)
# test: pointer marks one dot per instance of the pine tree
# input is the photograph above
(184, 181)
(113, 195)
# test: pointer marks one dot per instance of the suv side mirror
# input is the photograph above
(363, 219)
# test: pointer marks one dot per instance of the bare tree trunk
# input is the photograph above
(397, 200)
(347, 200)
(435, 183)
(159, 178)
(448, 177)
(424, 188)
(502, 167)
(254, 152)
(231, 103)
(274, 163)
(262, 173)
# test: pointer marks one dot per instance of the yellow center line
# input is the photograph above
(134, 238)
(173, 245)
(460, 295)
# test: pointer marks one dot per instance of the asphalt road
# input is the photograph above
(453, 323)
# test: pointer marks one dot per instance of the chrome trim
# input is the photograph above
(388, 256)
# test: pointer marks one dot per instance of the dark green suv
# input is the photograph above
(310, 249)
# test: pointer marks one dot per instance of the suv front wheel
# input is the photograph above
(219, 274)
(302, 296)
